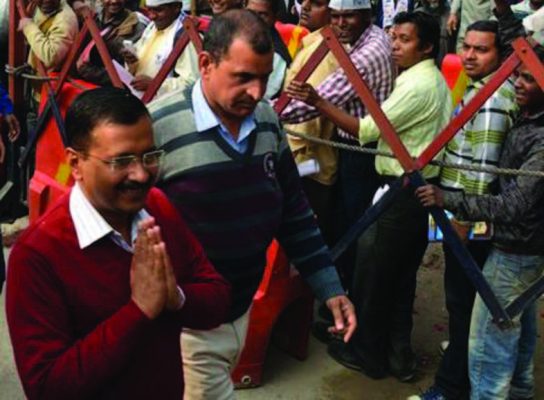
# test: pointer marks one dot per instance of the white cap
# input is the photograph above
(535, 21)
(155, 3)
(341, 5)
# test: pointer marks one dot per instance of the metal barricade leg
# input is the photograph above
(465, 259)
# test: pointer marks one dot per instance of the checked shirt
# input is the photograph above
(479, 142)
(371, 55)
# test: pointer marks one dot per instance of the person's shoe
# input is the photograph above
(442, 347)
(430, 394)
(341, 352)
(403, 366)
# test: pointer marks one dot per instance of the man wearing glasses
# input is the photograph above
(100, 286)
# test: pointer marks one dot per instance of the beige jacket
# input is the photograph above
(50, 37)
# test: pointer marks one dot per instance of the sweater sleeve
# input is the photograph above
(299, 234)
(53, 362)
(520, 196)
(510, 28)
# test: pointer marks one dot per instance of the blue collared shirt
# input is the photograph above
(206, 119)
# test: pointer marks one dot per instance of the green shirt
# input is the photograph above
(479, 142)
(419, 108)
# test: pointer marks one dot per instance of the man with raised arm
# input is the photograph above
(385, 277)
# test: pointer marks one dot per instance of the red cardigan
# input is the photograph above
(76, 333)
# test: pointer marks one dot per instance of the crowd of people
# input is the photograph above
(139, 281)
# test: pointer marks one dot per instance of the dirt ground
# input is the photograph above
(319, 377)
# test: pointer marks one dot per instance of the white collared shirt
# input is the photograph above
(90, 226)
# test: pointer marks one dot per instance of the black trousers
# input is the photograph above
(357, 183)
(389, 255)
(321, 198)
(452, 375)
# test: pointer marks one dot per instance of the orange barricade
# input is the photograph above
(292, 36)
(455, 76)
(52, 175)
(282, 300)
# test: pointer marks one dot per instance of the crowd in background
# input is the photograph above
(398, 47)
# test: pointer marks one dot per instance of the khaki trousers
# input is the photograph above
(209, 357)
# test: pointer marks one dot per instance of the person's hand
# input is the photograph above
(304, 92)
(173, 298)
(452, 24)
(23, 22)
(31, 7)
(81, 64)
(80, 8)
(141, 82)
(430, 196)
(128, 56)
(343, 312)
(147, 272)
(14, 129)
(21, 9)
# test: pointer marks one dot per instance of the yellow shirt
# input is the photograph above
(419, 107)
(321, 127)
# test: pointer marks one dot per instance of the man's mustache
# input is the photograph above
(132, 185)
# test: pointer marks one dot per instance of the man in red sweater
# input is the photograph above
(100, 286)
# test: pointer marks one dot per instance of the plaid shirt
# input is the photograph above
(371, 55)
(479, 142)
(517, 210)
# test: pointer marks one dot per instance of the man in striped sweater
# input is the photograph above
(229, 171)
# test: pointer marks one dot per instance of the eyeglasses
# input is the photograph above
(149, 160)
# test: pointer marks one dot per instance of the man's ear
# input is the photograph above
(428, 49)
(73, 159)
(205, 63)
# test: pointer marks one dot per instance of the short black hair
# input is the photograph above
(487, 26)
(236, 23)
(96, 106)
(275, 5)
(428, 29)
